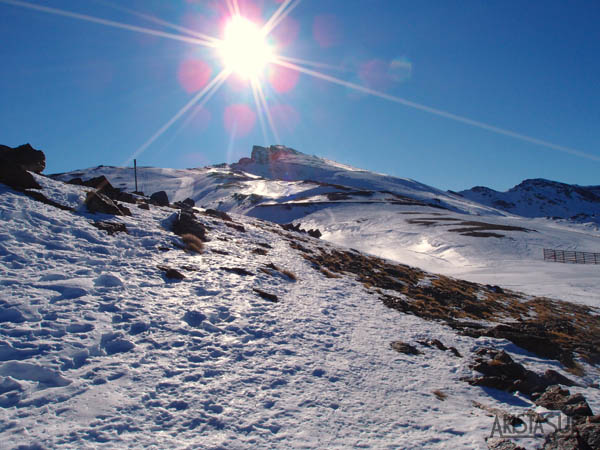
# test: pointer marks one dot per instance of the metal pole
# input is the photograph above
(135, 173)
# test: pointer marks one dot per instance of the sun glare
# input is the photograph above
(244, 49)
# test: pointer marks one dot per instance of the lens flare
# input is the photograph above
(244, 49)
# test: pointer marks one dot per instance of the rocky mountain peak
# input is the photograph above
(264, 155)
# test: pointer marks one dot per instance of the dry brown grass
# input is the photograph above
(440, 395)
(271, 269)
(550, 328)
(192, 243)
(470, 228)
(289, 274)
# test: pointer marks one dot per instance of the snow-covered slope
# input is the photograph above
(383, 216)
(506, 251)
(543, 198)
(98, 349)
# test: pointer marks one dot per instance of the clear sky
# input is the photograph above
(88, 93)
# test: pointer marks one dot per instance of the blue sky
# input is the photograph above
(88, 94)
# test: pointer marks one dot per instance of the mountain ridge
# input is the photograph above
(271, 172)
(539, 197)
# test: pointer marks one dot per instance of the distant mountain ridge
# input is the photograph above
(539, 197)
(283, 184)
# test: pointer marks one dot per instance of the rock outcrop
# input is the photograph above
(188, 203)
(15, 176)
(556, 398)
(97, 202)
(160, 198)
(25, 156)
(185, 222)
(499, 371)
(265, 155)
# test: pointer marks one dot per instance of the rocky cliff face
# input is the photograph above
(264, 155)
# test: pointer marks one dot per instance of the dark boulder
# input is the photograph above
(218, 214)
(174, 274)
(110, 227)
(499, 371)
(100, 203)
(160, 198)
(15, 176)
(403, 347)
(585, 436)
(124, 209)
(314, 233)
(126, 197)
(186, 223)
(235, 226)
(77, 181)
(590, 434)
(98, 183)
(145, 206)
(291, 227)
(102, 185)
(188, 203)
(25, 156)
(556, 398)
(171, 273)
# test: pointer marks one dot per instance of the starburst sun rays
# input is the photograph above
(245, 50)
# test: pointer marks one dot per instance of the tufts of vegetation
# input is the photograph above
(192, 243)
(267, 296)
(272, 269)
(470, 228)
(552, 329)
(440, 395)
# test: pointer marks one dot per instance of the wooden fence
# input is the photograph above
(571, 257)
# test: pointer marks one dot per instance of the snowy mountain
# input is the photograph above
(543, 198)
(123, 331)
(278, 176)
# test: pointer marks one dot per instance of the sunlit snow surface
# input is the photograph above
(95, 339)
(275, 191)
(515, 261)
(95, 353)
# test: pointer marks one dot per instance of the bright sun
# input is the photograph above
(244, 49)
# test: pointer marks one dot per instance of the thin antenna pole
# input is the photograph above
(135, 173)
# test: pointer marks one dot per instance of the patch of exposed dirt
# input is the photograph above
(470, 228)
